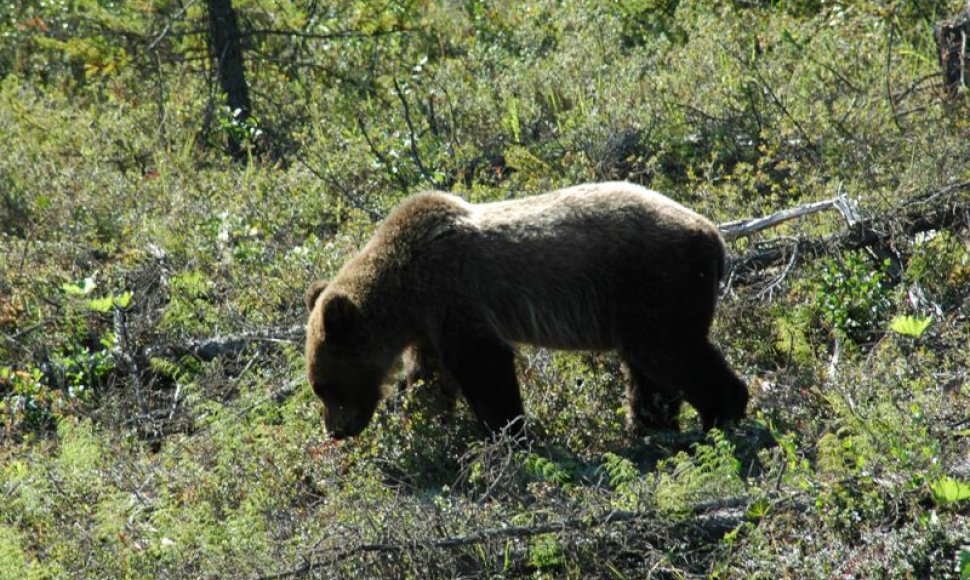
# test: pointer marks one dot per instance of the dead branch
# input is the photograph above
(736, 229)
(413, 139)
(721, 515)
(208, 349)
(913, 218)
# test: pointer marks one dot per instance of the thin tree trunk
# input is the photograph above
(226, 51)
(953, 49)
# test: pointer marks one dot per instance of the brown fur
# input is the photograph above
(609, 266)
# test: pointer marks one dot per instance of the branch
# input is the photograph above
(710, 513)
(912, 218)
(344, 191)
(413, 136)
(168, 25)
(736, 229)
(210, 348)
(325, 36)
(379, 155)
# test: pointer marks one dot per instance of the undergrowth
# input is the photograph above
(129, 234)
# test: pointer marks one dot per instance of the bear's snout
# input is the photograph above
(342, 422)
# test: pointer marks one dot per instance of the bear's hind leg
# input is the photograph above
(698, 369)
(651, 407)
(485, 373)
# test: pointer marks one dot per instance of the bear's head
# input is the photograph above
(343, 365)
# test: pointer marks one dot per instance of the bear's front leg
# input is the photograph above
(422, 366)
(484, 369)
(651, 406)
(698, 368)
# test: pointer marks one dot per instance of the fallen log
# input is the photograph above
(919, 216)
(207, 349)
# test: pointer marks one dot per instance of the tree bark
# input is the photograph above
(953, 49)
(226, 50)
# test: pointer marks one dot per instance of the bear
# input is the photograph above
(595, 267)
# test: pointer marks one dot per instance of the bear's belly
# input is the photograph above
(563, 325)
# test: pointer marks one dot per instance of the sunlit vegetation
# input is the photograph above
(131, 232)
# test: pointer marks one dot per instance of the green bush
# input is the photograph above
(854, 297)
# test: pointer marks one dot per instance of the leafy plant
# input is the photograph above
(759, 509)
(621, 470)
(712, 470)
(110, 301)
(907, 325)
(625, 479)
(240, 129)
(948, 491)
(545, 553)
(854, 296)
(13, 559)
(547, 470)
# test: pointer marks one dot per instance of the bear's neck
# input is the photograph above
(380, 287)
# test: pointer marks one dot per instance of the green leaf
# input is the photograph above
(547, 470)
(82, 288)
(101, 304)
(123, 299)
(621, 470)
(910, 325)
(964, 559)
(759, 509)
(948, 490)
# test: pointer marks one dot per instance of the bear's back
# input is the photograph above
(551, 269)
(604, 207)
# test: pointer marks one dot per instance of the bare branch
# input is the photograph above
(913, 218)
(413, 136)
(210, 348)
(380, 155)
(736, 229)
(713, 513)
(325, 36)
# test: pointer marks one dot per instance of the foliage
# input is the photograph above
(712, 470)
(853, 296)
(910, 326)
(948, 490)
(127, 235)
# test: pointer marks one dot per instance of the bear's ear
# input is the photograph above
(339, 317)
(312, 293)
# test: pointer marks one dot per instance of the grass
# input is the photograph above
(127, 232)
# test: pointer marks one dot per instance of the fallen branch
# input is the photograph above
(736, 229)
(208, 349)
(711, 513)
(841, 202)
(912, 219)
(218, 346)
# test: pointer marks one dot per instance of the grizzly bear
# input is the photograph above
(597, 267)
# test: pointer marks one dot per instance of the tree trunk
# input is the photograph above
(953, 49)
(226, 50)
